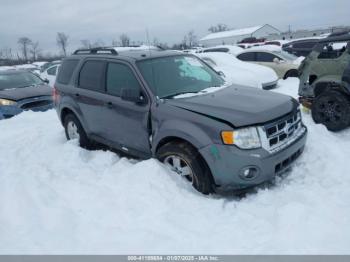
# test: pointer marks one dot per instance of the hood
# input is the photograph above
(263, 73)
(239, 76)
(240, 106)
(17, 94)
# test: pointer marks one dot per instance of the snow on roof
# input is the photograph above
(134, 48)
(235, 32)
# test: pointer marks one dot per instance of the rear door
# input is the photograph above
(90, 93)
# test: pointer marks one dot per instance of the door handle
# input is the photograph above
(109, 104)
(77, 95)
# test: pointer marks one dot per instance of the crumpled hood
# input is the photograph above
(17, 94)
(240, 106)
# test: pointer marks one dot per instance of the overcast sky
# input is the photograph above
(167, 20)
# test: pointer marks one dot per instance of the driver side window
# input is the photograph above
(120, 76)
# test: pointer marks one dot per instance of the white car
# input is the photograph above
(239, 72)
(50, 74)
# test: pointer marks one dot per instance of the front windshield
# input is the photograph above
(174, 75)
(287, 56)
(18, 80)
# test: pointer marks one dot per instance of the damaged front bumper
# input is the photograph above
(229, 164)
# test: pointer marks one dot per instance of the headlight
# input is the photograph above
(245, 138)
(5, 102)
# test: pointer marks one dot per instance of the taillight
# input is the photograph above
(55, 94)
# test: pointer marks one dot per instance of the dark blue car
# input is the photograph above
(21, 91)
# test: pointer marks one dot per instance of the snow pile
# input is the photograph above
(271, 48)
(135, 48)
(232, 49)
(5, 68)
(58, 198)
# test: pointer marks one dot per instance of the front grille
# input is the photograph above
(36, 104)
(280, 133)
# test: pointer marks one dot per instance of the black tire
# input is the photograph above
(332, 109)
(84, 141)
(291, 73)
(201, 178)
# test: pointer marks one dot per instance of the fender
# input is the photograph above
(67, 104)
(183, 130)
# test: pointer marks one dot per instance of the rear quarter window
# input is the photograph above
(218, 50)
(66, 71)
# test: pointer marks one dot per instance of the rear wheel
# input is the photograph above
(185, 160)
(332, 109)
(74, 130)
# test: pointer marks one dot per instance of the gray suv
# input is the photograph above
(176, 108)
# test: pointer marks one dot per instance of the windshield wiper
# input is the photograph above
(177, 94)
(27, 86)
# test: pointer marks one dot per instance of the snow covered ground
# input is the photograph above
(58, 198)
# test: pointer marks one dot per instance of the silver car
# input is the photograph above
(285, 64)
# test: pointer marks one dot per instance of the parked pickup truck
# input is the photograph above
(174, 107)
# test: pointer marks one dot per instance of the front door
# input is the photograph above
(127, 122)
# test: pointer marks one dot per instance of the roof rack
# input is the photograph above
(99, 50)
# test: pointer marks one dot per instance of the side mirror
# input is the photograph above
(132, 95)
(276, 60)
(47, 81)
(220, 73)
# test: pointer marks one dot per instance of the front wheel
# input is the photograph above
(332, 109)
(185, 160)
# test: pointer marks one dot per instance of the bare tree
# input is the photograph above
(86, 43)
(218, 28)
(24, 43)
(192, 39)
(7, 54)
(35, 50)
(189, 40)
(124, 39)
(62, 42)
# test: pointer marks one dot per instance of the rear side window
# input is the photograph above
(120, 76)
(250, 56)
(66, 71)
(90, 76)
(219, 50)
(265, 57)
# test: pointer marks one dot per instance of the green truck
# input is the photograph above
(325, 82)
